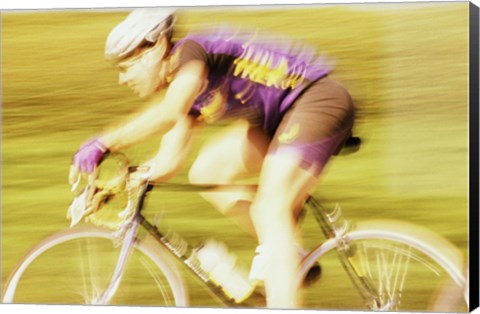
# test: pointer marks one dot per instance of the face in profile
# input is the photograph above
(144, 73)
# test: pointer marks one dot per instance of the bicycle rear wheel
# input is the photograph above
(408, 267)
(75, 267)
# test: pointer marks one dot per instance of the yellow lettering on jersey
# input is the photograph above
(278, 74)
(258, 67)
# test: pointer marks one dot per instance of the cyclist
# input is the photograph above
(287, 118)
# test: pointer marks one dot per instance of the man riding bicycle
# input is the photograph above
(286, 116)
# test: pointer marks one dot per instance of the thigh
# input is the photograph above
(235, 152)
(316, 126)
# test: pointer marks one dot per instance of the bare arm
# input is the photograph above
(164, 115)
(174, 149)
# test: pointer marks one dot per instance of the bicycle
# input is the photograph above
(392, 265)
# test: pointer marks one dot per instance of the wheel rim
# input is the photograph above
(87, 276)
(394, 251)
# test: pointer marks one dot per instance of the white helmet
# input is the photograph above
(141, 25)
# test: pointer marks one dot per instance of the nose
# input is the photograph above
(122, 79)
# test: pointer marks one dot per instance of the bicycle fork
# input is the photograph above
(127, 247)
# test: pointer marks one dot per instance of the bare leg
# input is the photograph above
(238, 152)
(283, 184)
(235, 153)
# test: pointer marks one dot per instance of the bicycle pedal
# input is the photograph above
(313, 275)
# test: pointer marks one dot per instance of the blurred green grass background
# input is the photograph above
(406, 66)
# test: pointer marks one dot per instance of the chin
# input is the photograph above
(143, 93)
(146, 95)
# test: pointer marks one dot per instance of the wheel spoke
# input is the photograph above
(387, 275)
(84, 274)
(158, 280)
(79, 265)
(396, 264)
(406, 264)
(403, 273)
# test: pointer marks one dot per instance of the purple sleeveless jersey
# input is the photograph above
(259, 74)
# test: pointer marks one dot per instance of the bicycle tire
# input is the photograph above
(34, 280)
(402, 255)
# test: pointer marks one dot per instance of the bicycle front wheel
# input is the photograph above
(400, 266)
(76, 266)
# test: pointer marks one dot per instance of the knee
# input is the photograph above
(207, 170)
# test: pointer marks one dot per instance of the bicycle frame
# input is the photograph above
(336, 229)
(175, 244)
(185, 253)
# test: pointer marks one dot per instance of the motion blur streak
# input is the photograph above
(407, 70)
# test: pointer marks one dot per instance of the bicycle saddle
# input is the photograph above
(350, 146)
